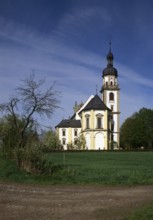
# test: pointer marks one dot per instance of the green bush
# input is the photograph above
(32, 160)
(50, 142)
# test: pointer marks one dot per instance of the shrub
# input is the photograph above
(32, 160)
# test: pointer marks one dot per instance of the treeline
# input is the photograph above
(137, 131)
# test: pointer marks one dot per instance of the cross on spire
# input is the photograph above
(96, 89)
(110, 44)
(110, 56)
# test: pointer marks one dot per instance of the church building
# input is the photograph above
(95, 124)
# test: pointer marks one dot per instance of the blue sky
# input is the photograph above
(67, 41)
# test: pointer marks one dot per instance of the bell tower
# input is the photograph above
(111, 97)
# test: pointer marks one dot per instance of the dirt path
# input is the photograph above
(70, 202)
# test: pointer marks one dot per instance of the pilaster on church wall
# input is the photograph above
(92, 119)
(83, 121)
(106, 135)
(60, 133)
(69, 135)
(118, 100)
(105, 120)
(92, 141)
(106, 140)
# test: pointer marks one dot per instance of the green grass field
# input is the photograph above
(115, 168)
(145, 213)
(108, 168)
(105, 168)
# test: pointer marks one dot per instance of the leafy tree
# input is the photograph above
(137, 130)
(81, 142)
(51, 141)
(8, 136)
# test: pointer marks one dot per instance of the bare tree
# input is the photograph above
(30, 99)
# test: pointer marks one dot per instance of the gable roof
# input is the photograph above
(95, 104)
(69, 123)
(76, 114)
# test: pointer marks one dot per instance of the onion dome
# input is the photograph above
(110, 70)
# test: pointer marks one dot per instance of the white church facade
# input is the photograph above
(95, 124)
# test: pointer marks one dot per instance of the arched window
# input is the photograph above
(63, 132)
(87, 123)
(111, 83)
(99, 121)
(111, 96)
(99, 124)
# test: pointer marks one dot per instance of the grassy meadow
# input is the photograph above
(98, 167)
(145, 213)
(114, 168)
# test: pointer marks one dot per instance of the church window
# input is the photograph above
(63, 132)
(111, 96)
(99, 121)
(87, 122)
(75, 132)
(106, 83)
(111, 83)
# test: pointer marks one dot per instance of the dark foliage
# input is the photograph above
(137, 130)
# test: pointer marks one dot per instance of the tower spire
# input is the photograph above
(110, 56)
